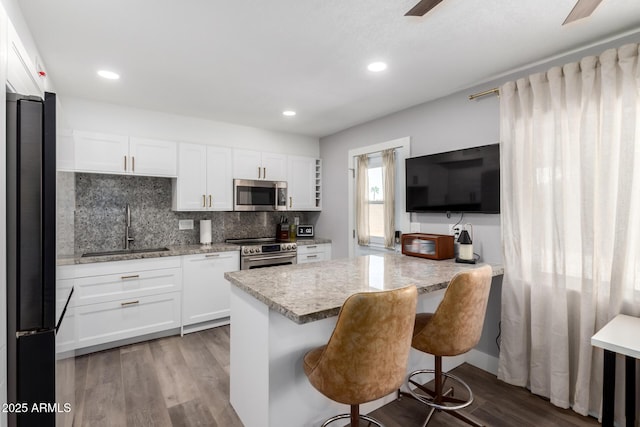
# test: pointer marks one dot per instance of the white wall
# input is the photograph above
(83, 114)
(449, 123)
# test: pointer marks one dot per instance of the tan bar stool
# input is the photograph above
(453, 329)
(366, 356)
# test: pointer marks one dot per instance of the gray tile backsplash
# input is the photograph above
(100, 202)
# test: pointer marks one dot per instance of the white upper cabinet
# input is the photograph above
(219, 179)
(301, 183)
(249, 164)
(190, 188)
(119, 154)
(204, 180)
(153, 157)
(274, 167)
(22, 75)
(304, 183)
(97, 152)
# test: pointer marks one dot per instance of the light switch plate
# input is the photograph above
(185, 224)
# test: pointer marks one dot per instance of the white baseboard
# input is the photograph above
(205, 325)
(483, 361)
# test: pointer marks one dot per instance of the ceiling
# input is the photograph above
(245, 61)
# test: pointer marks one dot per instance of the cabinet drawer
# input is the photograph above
(304, 258)
(309, 249)
(97, 289)
(126, 318)
(117, 267)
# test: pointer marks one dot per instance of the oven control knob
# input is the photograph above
(294, 246)
(252, 250)
(258, 250)
(287, 247)
(246, 251)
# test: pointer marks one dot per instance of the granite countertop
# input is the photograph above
(307, 292)
(174, 250)
(177, 250)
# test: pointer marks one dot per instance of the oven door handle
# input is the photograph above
(266, 258)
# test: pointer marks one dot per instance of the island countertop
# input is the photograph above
(307, 292)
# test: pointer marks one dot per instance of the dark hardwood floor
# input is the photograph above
(184, 381)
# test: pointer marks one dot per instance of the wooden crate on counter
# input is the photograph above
(431, 246)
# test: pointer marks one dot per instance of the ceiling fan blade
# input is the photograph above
(582, 9)
(422, 7)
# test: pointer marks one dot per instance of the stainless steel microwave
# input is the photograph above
(255, 195)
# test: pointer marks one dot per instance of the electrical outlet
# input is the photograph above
(185, 224)
(455, 230)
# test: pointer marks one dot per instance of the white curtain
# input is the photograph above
(389, 189)
(362, 199)
(570, 165)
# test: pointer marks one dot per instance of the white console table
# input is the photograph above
(619, 336)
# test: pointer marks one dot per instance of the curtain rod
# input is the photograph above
(485, 93)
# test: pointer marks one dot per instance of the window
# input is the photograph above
(367, 199)
(376, 200)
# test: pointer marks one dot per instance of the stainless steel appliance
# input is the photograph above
(255, 195)
(265, 252)
(32, 319)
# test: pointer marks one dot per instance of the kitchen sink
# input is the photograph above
(124, 252)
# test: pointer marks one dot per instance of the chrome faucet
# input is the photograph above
(127, 239)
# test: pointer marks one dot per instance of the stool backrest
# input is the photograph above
(366, 356)
(456, 326)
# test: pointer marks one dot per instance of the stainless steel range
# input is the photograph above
(265, 252)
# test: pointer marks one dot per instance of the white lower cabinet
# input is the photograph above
(125, 299)
(206, 292)
(127, 318)
(314, 253)
(120, 300)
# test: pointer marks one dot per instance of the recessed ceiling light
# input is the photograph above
(376, 67)
(108, 75)
(289, 113)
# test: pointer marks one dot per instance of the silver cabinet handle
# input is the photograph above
(290, 201)
(259, 172)
(125, 163)
(210, 200)
(133, 164)
(204, 201)
(312, 256)
(312, 247)
(133, 276)
(264, 173)
(212, 255)
(125, 304)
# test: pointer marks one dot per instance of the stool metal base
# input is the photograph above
(438, 402)
(430, 402)
(343, 416)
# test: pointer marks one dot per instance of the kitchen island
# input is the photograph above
(280, 313)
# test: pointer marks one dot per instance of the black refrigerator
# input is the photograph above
(31, 258)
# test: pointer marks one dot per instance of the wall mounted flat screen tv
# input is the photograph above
(456, 181)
